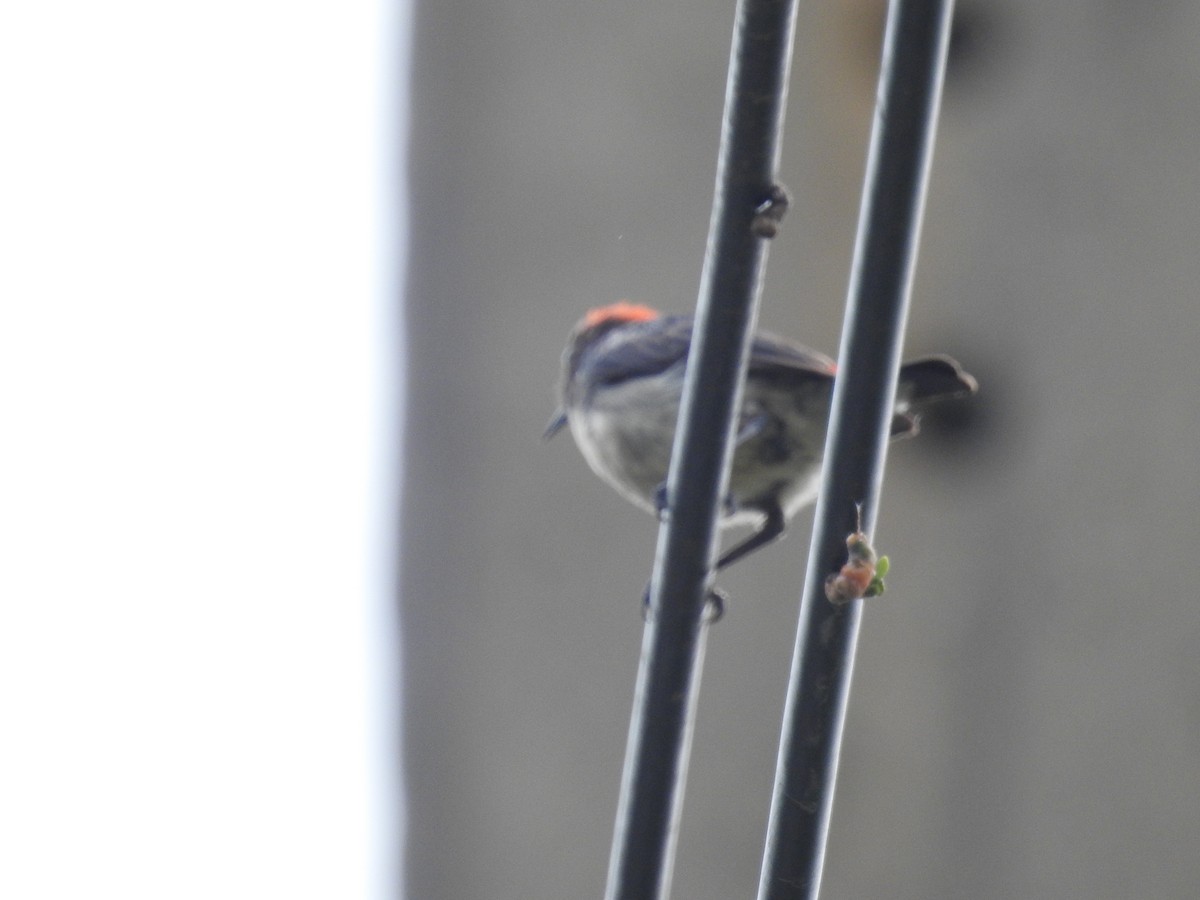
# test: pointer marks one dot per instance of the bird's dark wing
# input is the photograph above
(640, 349)
(637, 350)
(771, 354)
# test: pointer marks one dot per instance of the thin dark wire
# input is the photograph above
(746, 208)
(914, 57)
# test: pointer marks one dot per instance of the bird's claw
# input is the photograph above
(716, 600)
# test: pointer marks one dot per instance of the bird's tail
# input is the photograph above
(934, 378)
(927, 380)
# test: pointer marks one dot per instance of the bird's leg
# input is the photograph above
(716, 597)
(772, 527)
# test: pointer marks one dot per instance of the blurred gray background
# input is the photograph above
(1025, 715)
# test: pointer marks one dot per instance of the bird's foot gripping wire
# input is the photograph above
(716, 602)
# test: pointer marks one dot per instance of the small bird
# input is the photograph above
(622, 379)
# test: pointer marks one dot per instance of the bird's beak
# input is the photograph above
(556, 425)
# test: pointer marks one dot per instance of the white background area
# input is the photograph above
(199, 404)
